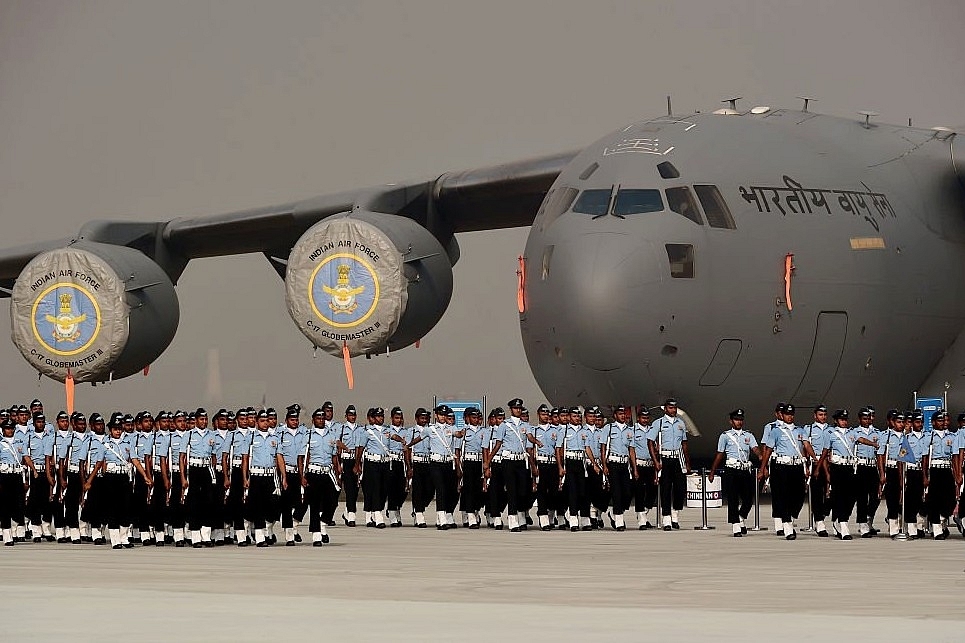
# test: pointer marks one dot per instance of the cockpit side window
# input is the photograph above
(595, 202)
(636, 201)
(715, 208)
(556, 203)
(681, 200)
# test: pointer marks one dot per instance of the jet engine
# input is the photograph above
(367, 282)
(94, 311)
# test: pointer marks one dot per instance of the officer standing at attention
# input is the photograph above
(92, 511)
(348, 435)
(40, 447)
(574, 453)
(419, 476)
(176, 517)
(221, 533)
(914, 477)
(818, 486)
(61, 438)
(787, 443)
(154, 463)
(262, 467)
(372, 448)
(939, 479)
(765, 436)
(319, 465)
(233, 450)
(12, 456)
(396, 491)
(442, 462)
(291, 445)
(734, 449)
(641, 464)
(493, 476)
(839, 465)
(73, 474)
(509, 442)
(197, 460)
(672, 459)
(615, 457)
(889, 468)
(116, 463)
(543, 463)
(868, 478)
(471, 497)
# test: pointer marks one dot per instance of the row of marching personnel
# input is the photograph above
(844, 470)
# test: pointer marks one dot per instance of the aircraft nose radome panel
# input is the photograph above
(608, 273)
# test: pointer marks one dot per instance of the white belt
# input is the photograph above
(733, 463)
(670, 454)
(113, 467)
(435, 457)
(198, 462)
(261, 471)
(347, 455)
(236, 461)
(574, 455)
(175, 468)
(372, 457)
(546, 459)
(472, 457)
(788, 459)
(157, 467)
(396, 457)
(913, 466)
(290, 469)
(73, 468)
(318, 468)
(841, 459)
(40, 467)
(940, 464)
(218, 467)
(644, 463)
(10, 468)
(509, 455)
(619, 459)
(891, 464)
(865, 462)
(420, 457)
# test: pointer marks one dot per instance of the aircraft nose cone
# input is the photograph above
(611, 275)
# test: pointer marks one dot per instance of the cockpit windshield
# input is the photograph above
(634, 201)
(595, 202)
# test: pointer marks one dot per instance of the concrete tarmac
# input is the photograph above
(424, 584)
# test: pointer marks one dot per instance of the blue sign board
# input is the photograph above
(929, 405)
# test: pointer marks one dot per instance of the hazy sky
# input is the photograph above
(153, 110)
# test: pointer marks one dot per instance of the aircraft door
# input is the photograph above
(829, 338)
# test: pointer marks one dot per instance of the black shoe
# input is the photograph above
(791, 536)
(148, 543)
(822, 534)
(116, 547)
(325, 539)
(263, 543)
(546, 528)
(465, 524)
(738, 534)
(442, 527)
(524, 527)
(290, 543)
(329, 523)
(514, 530)
(869, 534)
(9, 543)
(317, 543)
(100, 541)
(159, 543)
(63, 541)
(370, 523)
(422, 525)
(298, 537)
(675, 525)
(37, 539)
(498, 527)
(243, 543)
(562, 526)
(179, 543)
(128, 545)
(945, 532)
(381, 525)
(475, 526)
(874, 532)
(197, 545)
(848, 537)
(207, 543)
(49, 539)
(529, 519)
(744, 531)
(666, 527)
(779, 532)
(73, 542)
(913, 536)
(273, 539)
(168, 540)
(395, 524)
(621, 528)
(574, 529)
(86, 539)
(586, 528)
(941, 536)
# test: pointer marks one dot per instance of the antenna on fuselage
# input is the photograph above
(867, 118)
(732, 102)
(806, 99)
(669, 107)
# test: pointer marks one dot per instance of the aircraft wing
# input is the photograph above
(501, 196)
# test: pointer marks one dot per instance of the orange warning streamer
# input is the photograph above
(347, 360)
(521, 285)
(788, 271)
(69, 389)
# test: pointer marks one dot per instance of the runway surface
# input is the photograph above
(422, 584)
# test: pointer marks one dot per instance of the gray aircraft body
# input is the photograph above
(734, 258)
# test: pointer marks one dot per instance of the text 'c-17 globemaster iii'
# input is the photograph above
(746, 255)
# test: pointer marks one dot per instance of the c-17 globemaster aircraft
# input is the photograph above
(726, 258)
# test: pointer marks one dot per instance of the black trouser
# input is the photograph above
(442, 474)
(548, 488)
(321, 499)
(892, 493)
(374, 475)
(496, 494)
(291, 498)
(261, 490)
(673, 486)
(197, 505)
(738, 486)
(72, 495)
(866, 483)
(645, 488)
(914, 490)
(11, 499)
(941, 494)
(235, 509)
(115, 490)
(422, 489)
(599, 494)
(842, 491)
(395, 485)
(175, 512)
(619, 486)
(789, 490)
(528, 495)
(157, 506)
(94, 511)
(516, 480)
(218, 510)
(579, 504)
(471, 499)
(39, 507)
(350, 483)
(820, 505)
(137, 504)
(452, 497)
